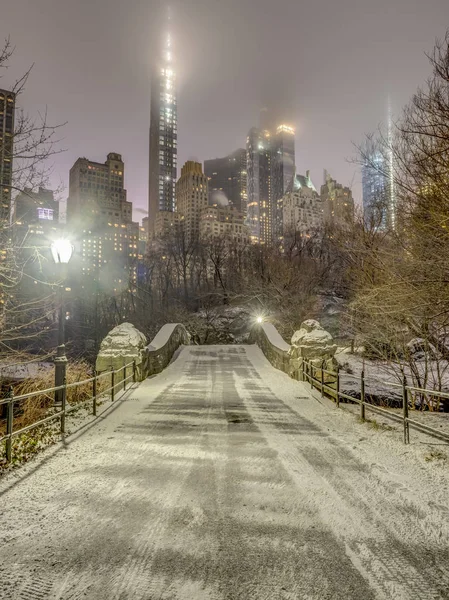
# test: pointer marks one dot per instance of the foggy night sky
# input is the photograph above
(328, 64)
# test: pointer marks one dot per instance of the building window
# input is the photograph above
(45, 213)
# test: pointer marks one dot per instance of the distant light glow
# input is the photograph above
(259, 319)
(62, 250)
(286, 129)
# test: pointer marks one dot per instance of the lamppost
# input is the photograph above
(62, 252)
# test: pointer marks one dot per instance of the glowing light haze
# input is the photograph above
(326, 66)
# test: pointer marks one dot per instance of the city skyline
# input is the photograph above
(334, 101)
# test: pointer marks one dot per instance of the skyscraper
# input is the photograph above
(35, 226)
(163, 135)
(375, 189)
(302, 208)
(282, 172)
(378, 180)
(7, 109)
(270, 170)
(101, 216)
(192, 197)
(259, 210)
(338, 203)
(228, 174)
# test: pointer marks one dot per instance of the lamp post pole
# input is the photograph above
(62, 252)
(60, 358)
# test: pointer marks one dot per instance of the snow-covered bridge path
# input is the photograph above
(221, 478)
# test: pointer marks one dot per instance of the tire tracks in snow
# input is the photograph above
(347, 501)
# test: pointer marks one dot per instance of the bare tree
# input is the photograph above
(29, 150)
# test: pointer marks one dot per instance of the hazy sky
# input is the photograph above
(330, 64)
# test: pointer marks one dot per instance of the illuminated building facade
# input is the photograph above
(258, 167)
(7, 110)
(282, 171)
(375, 190)
(35, 208)
(35, 226)
(166, 222)
(228, 175)
(270, 168)
(100, 219)
(223, 220)
(163, 136)
(192, 196)
(302, 208)
(338, 203)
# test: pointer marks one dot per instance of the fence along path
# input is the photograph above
(115, 386)
(276, 350)
(318, 377)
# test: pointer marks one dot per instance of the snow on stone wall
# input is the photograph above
(162, 336)
(275, 337)
(272, 344)
(158, 354)
(121, 346)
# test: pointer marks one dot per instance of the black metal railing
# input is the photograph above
(329, 383)
(113, 389)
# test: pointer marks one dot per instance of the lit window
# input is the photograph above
(45, 213)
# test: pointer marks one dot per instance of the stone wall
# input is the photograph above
(272, 345)
(311, 343)
(158, 354)
(122, 345)
(125, 344)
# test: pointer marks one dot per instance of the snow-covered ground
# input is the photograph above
(383, 379)
(222, 478)
(26, 370)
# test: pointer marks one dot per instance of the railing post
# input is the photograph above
(124, 375)
(311, 374)
(134, 371)
(112, 385)
(405, 411)
(362, 396)
(322, 379)
(94, 394)
(63, 399)
(338, 386)
(9, 424)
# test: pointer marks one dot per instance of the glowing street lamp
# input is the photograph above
(259, 320)
(61, 251)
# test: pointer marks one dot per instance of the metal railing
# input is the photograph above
(328, 383)
(61, 414)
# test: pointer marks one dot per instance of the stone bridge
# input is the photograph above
(222, 477)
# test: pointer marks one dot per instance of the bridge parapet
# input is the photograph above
(125, 343)
(158, 354)
(273, 345)
(310, 343)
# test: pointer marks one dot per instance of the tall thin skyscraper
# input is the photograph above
(378, 180)
(391, 174)
(375, 188)
(163, 135)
